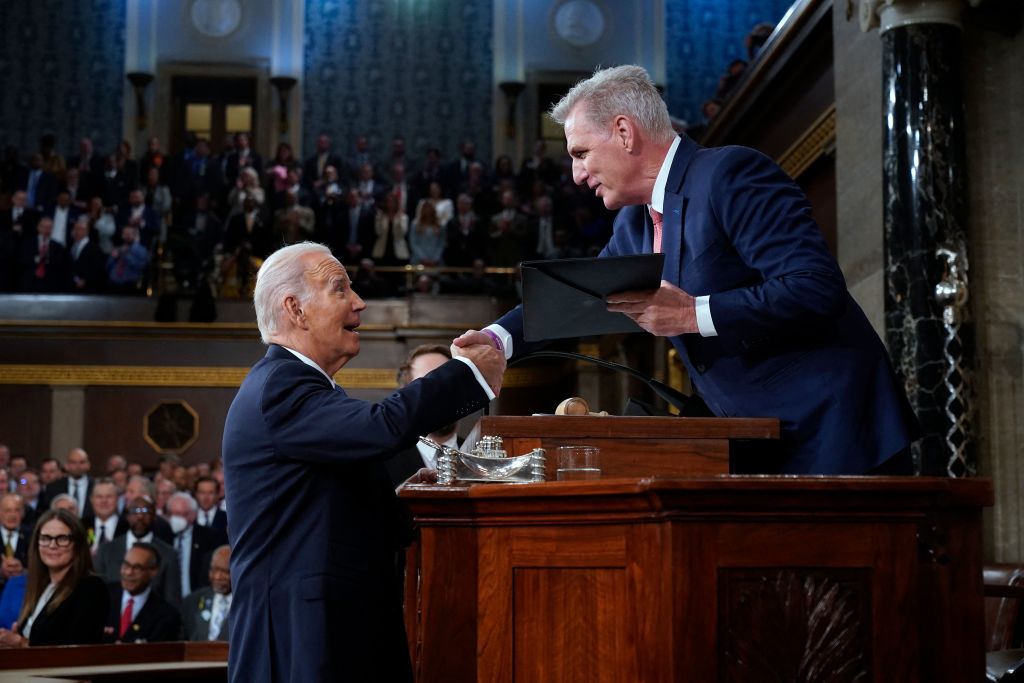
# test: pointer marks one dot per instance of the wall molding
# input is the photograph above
(213, 377)
(817, 140)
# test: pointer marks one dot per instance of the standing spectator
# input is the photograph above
(50, 470)
(427, 237)
(104, 524)
(314, 167)
(294, 222)
(30, 491)
(40, 186)
(43, 261)
(466, 239)
(391, 228)
(102, 225)
(207, 496)
(508, 232)
(143, 218)
(193, 543)
(154, 158)
(88, 264)
(126, 266)
(240, 158)
(77, 483)
(15, 537)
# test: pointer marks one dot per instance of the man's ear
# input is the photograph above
(294, 311)
(625, 132)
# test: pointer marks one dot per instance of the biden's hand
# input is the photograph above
(487, 359)
(665, 312)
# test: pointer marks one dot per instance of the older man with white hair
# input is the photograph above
(314, 521)
(192, 542)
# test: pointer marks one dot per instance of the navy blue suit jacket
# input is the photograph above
(314, 522)
(792, 343)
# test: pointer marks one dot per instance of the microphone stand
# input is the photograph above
(688, 406)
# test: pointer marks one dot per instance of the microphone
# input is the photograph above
(688, 406)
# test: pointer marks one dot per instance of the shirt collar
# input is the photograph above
(310, 363)
(658, 195)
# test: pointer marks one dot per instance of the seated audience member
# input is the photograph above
(63, 214)
(205, 613)
(65, 603)
(192, 543)
(209, 514)
(43, 261)
(104, 524)
(64, 501)
(138, 613)
(421, 360)
(140, 514)
(139, 486)
(443, 207)
(88, 264)
(127, 263)
(15, 537)
(50, 470)
(11, 597)
(114, 463)
(30, 491)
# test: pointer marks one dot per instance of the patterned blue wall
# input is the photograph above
(418, 69)
(62, 77)
(701, 38)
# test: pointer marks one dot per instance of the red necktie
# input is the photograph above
(656, 219)
(126, 616)
(44, 247)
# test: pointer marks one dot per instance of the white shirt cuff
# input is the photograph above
(504, 336)
(479, 377)
(705, 325)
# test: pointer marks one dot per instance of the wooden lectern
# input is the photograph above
(711, 578)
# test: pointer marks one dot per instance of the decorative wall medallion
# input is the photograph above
(216, 18)
(579, 22)
(171, 426)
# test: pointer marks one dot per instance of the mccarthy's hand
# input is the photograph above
(665, 312)
(487, 359)
(471, 337)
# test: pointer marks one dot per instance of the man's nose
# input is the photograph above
(579, 173)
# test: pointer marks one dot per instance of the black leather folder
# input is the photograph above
(566, 297)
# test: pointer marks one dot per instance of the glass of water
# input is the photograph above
(578, 462)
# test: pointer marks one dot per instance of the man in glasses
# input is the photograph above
(140, 512)
(138, 613)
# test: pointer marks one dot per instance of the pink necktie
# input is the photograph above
(656, 219)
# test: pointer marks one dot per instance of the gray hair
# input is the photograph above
(147, 483)
(187, 497)
(619, 90)
(61, 497)
(283, 274)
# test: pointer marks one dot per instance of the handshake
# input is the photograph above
(482, 349)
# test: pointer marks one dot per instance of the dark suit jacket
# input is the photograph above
(61, 486)
(314, 521)
(90, 267)
(220, 522)
(792, 343)
(404, 464)
(204, 542)
(150, 229)
(20, 549)
(78, 620)
(309, 168)
(55, 276)
(167, 581)
(196, 626)
(157, 621)
(121, 527)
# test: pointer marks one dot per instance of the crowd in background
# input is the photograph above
(131, 556)
(95, 222)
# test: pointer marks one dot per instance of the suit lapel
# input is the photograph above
(672, 236)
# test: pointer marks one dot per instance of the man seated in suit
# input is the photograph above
(15, 537)
(422, 360)
(314, 519)
(88, 264)
(138, 613)
(140, 514)
(139, 486)
(43, 261)
(750, 296)
(30, 491)
(207, 496)
(192, 543)
(104, 524)
(204, 613)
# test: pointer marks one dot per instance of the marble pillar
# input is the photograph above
(925, 214)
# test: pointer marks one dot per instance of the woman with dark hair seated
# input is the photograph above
(65, 603)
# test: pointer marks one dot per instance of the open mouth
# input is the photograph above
(352, 327)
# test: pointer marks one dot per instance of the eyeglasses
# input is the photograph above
(139, 511)
(134, 567)
(62, 541)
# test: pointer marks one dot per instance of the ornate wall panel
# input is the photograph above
(62, 77)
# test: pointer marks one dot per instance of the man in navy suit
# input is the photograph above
(314, 522)
(750, 296)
